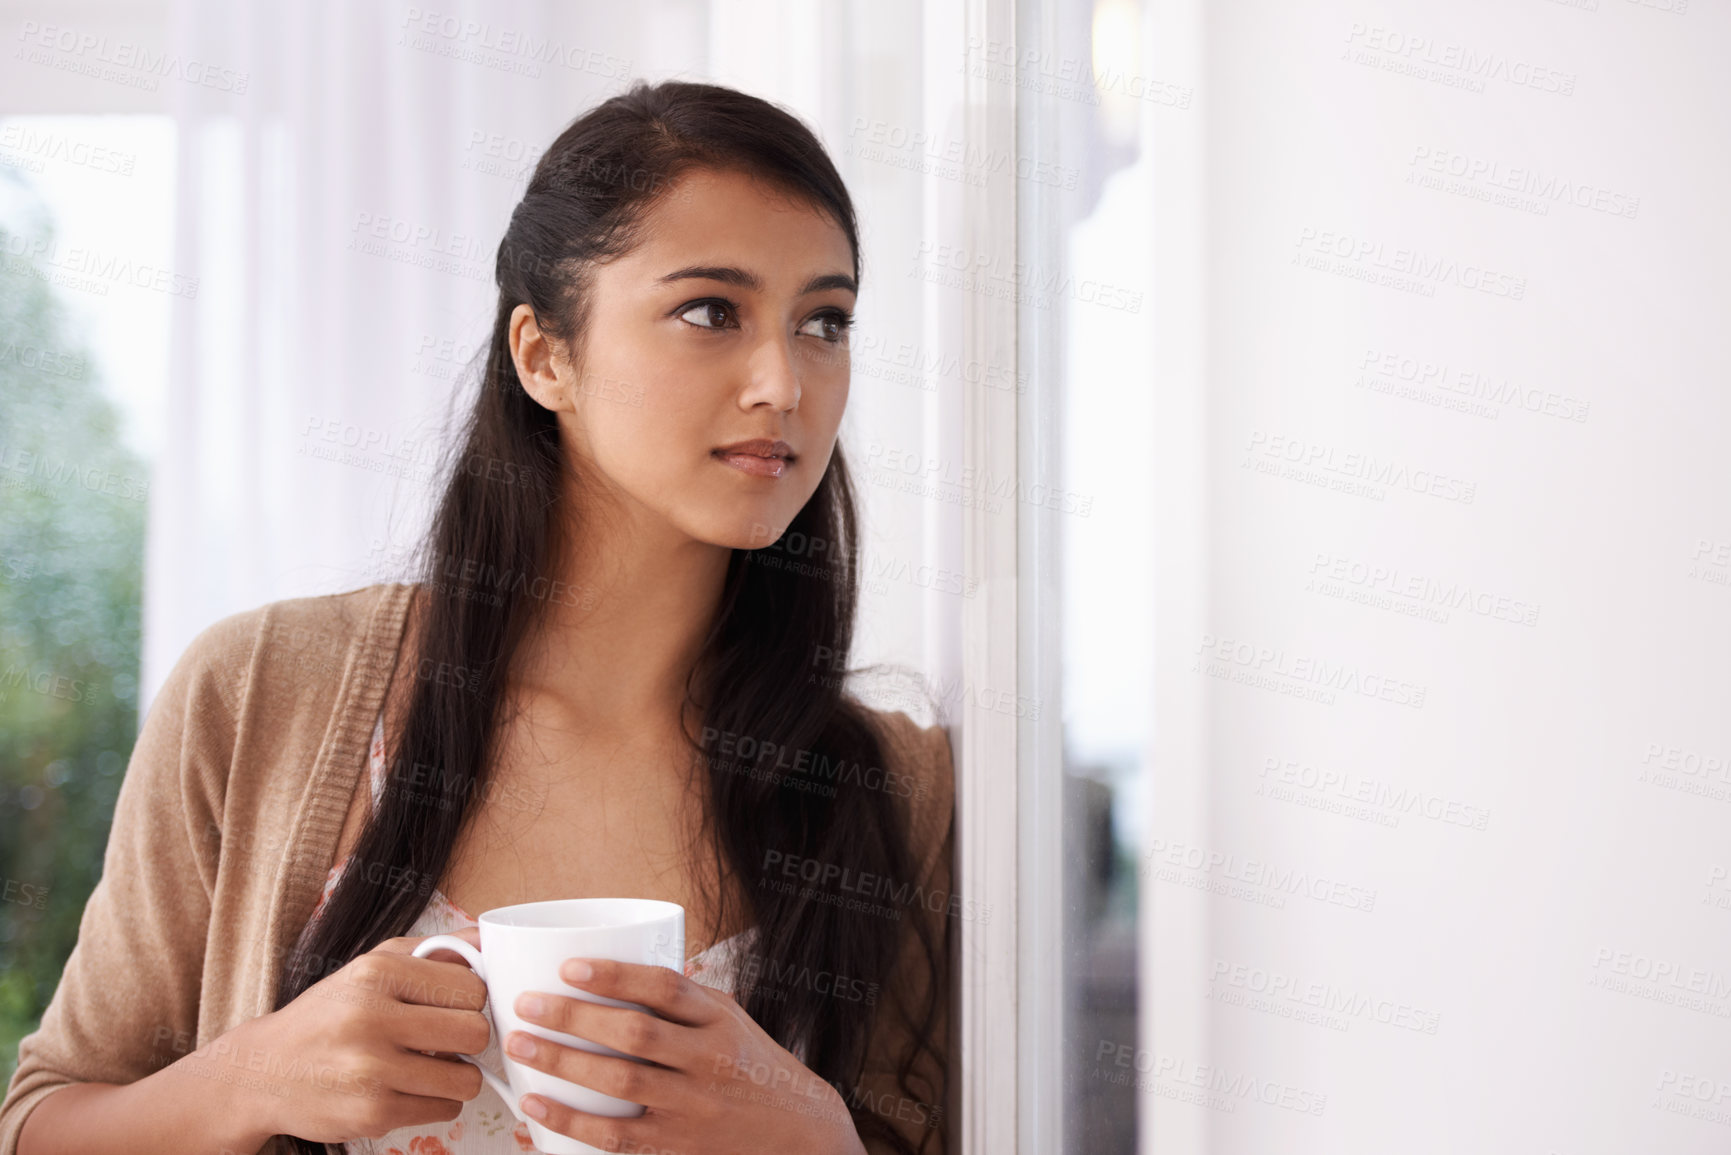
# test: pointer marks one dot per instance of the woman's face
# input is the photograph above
(715, 366)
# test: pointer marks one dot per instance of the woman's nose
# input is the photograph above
(772, 378)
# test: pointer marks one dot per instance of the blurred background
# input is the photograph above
(1368, 538)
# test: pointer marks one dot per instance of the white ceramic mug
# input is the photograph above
(522, 948)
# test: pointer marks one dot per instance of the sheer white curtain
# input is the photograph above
(341, 199)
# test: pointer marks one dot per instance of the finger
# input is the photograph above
(622, 1028)
(406, 945)
(662, 989)
(380, 977)
(418, 1110)
(469, 934)
(443, 1079)
(643, 1133)
(440, 1030)
(429, 982)
(609, 1074)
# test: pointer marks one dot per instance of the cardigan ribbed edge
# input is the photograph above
(331, 787)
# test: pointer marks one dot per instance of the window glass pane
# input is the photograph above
(84, 232)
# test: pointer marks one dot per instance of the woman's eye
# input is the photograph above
(713, 315)
(829, 326)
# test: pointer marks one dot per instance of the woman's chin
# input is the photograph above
(750, 534)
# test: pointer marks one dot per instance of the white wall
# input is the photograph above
(1549, 924)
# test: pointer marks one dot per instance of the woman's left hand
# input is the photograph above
(720, 1085)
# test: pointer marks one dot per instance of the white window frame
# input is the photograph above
(1008, 836)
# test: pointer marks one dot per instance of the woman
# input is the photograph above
(612, 678)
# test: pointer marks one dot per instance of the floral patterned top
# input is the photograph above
(486, 1125)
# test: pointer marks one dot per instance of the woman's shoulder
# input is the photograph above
(253, 695)
(916, 747)
(285, 658)
(304, 633)
(334, 619)
(919, 766)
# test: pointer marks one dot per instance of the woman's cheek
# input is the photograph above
(830, 400)
(644, 425)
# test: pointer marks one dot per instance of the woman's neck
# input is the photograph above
(614, 651)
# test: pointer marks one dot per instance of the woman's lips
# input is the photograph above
(760, 458)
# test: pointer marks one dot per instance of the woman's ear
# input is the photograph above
(534, 352)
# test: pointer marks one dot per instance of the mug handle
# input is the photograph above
(473, 958)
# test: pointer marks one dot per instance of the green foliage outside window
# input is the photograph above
(71, 564)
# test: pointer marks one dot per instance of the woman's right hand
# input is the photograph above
(363, 1051)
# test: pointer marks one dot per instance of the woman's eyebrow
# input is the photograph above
(746, 279)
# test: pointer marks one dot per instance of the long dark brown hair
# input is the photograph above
(499, 531)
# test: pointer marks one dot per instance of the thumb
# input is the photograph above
(406, 944)
(469, 934)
